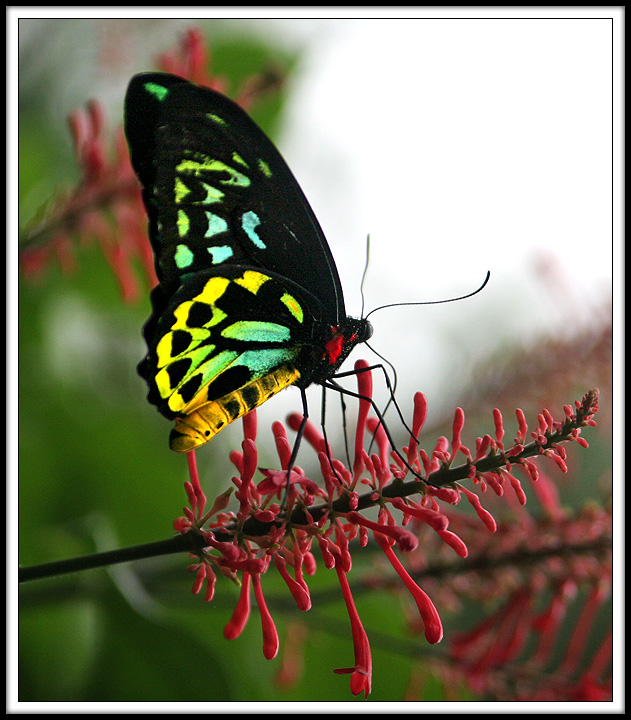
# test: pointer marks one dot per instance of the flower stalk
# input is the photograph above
(331, 514)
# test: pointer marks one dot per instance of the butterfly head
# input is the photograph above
(332, 345)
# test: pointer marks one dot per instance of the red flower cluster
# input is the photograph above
(106, 203)
(328, 517)
(105, 206)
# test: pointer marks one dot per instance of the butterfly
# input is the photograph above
(249, 300)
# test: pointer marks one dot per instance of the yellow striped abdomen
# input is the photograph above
(207, 420)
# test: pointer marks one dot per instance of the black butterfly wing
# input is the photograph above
(218, 192)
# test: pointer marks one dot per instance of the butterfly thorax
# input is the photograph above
(330, 346)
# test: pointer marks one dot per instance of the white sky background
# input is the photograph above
(461, 146)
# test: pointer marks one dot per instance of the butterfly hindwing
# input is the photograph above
(222, 330)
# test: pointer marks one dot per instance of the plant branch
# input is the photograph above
(178, 543)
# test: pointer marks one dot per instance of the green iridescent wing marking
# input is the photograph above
(249, 299)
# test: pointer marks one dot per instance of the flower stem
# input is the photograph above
(190, 542)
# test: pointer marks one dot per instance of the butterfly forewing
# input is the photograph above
(220, 192)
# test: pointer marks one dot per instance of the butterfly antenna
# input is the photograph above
(434, 302)
(361, 287)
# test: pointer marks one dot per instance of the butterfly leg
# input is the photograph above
(391, 391)
(336, 386)
(327, 447)
(297, 441)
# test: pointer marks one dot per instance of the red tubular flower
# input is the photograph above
(325, 548)
(241, 612)
(418, 420)
(482, 446)
(299, 590)
(493, 480)
(283, 447)
(382, 472)
(312, 433)
(516, 485)
(344, 557)
(426, 608)
(211, 580)
(270, 634)
(499, 428)
(557, 459)
(531, 469)
(196, 497)
(276, 480)
(250, 456)
(361, 678)
(483, 514)
(250, 426)
(200, 577)
(376, 428)
(309, 563)
(454, 542)
(523, 426)
(189, 59)
(203, 571)
(456, 440)
(436, 520)
(302, 558)
(364, 388)
(448, 495)
(331, 480)
(183, 524)
(420, 413)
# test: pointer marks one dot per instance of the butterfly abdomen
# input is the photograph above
(202, 424)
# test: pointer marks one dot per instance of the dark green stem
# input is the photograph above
(190, 542)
